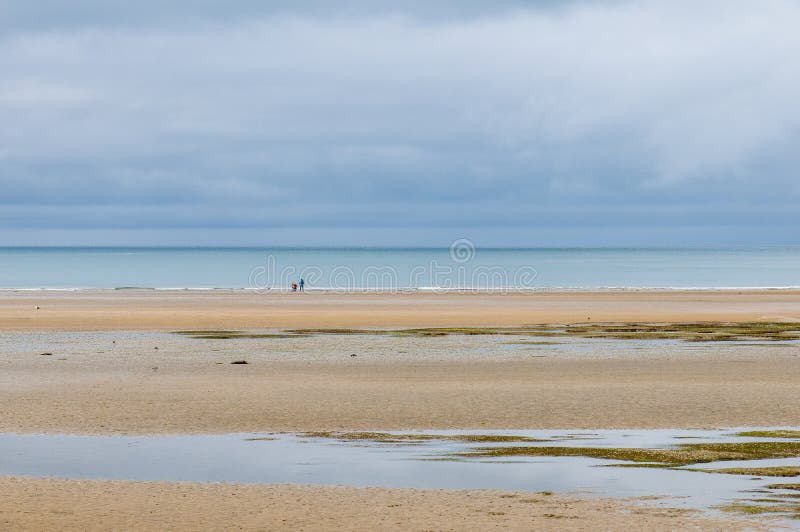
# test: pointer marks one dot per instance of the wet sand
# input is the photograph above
(143, 309)
(48, 504)
(119, 383)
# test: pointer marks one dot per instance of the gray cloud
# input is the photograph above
(156, 117)
(71, 14)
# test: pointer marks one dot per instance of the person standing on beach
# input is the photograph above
(302, 284)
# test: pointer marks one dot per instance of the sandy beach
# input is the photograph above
(114, 366)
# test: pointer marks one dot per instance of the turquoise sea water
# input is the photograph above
(461, 266)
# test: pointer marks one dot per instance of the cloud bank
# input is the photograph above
(602, 123)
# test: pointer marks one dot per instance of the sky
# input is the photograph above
(511, 123)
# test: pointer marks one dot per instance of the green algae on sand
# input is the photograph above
(792, 510)
(387, 437)
(777, 433)
(680, 455)
(779, 471)
(689, 332)
(794, 487)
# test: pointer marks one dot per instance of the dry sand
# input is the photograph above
(109, 309)
(32, 504)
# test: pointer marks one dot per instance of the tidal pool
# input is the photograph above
(407, 462)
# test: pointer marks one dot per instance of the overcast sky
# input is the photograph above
(511, 123)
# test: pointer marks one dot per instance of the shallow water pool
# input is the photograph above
(299, 459)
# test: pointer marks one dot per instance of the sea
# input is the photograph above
(461, 266)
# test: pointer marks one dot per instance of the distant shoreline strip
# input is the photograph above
(423, 289)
